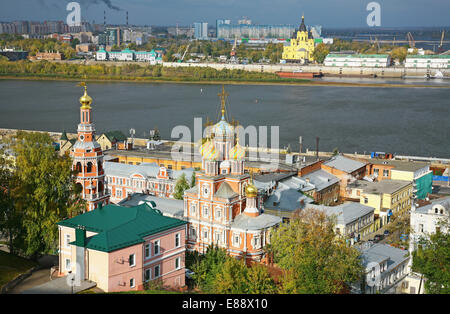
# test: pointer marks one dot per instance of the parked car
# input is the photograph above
(378, 238)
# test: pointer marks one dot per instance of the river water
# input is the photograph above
(412, 121)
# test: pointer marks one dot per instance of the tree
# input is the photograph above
(399, 54)
(314, 258)
(74, 43)
(231, 278)
(320, 52)
(207, 267)
(193, 180)
(180, 187)
(10, 218)
(43, 192)
(432, 259)
(259, 280)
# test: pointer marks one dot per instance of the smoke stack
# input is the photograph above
(104, 18)
(127, 18)
(317, 147)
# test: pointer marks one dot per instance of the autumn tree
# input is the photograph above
(43, 192)
(320, 52)
(314, 258)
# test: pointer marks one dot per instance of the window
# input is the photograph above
(205, 234)
(157, 271)
(156, 245)
(68, 264)
(132, 283)
(193, 233)
(67, 240)
(205, 211)
(147, 273)
(177, 263)
(366, 200)
(132, 260)
(177, 240)
(218, 214)
(385, 173)
(147, 250)
(420, 227)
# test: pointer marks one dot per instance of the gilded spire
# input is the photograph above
(223, 97)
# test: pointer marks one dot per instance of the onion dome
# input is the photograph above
(208, 151)
(237, 152)
(223, 128)
(203, 144)
(85, 100)
(251, 190)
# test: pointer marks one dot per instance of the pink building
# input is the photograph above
(122, 248)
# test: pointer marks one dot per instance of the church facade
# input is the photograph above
(222, 209)
(301, 47)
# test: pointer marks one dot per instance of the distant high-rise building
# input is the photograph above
(245, 21)
(201, 30)
(221, 22)
(228, 31)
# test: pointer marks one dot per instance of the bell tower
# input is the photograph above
(87, 157)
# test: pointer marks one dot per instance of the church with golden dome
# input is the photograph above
(301, 47)
(223, 208)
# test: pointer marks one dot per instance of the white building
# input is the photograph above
(428, 61)
(124, 55)
(385, 269)
(357, 60)
(425, 220)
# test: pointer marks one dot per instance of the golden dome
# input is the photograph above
(85, 100)
(251, 190)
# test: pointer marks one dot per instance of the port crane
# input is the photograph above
(441, 48)
(410, 38)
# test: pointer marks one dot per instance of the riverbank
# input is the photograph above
(215, 82)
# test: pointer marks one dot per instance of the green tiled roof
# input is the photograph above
(333, 55)
(429, 56)
(118, 227)
(117, 135)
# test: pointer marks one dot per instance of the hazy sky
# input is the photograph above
(329, 13)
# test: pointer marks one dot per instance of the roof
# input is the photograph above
(345, 213)
(445, 201)
(274, 176)
(441, 56)
(225, 191)
(353, 56)
(242, 221)
(115, 135)
(144, 169)
(343, 163)
(118, 227)
(168, 206)
(286, 199)
(380, 187)
(399, 164)
(381, 252)
(321, 179)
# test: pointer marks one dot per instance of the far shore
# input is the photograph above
(227, 82)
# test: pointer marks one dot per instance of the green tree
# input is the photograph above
(432, 259)
(399, 54)
(180, 187)
(10, 219)
(259, 280)
(206, 268)
(44, 191)
(193, 180)
(320, 52)
(314, 258)
(232, 277)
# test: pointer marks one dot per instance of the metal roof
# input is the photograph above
(118, 227)
(345, 213)
(168, 206)
(343, 163)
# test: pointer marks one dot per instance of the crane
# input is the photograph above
(412, 43)
(184, 54)
(441, 48)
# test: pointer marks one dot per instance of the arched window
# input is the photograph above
(89, 167)
(78, 167)
(99, 166)
(100, 186)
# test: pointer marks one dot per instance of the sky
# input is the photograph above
(328, 13)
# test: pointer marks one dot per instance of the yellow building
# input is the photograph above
(388, 197)
(301, 47)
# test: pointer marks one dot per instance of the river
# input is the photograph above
(407, 121)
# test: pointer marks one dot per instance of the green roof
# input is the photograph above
(116, 135)
(118, 227)
(335, 55)
(429, 56)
